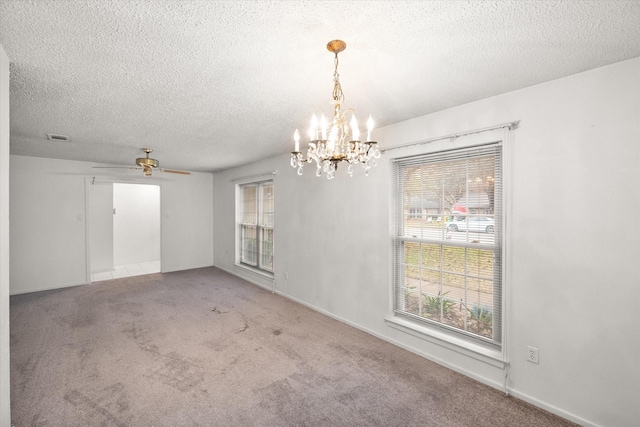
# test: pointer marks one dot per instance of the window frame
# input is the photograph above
(438, 331)
(259, 227)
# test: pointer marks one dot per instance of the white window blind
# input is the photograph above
(448, 245)
(256, 225)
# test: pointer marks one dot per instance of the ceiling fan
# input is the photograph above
(147, 165)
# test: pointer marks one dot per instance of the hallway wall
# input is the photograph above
(48, 230)
(136, 223)
(100, 217)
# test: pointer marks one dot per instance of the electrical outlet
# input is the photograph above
(532, 355)
(286, 276)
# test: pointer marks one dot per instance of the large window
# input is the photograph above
(256, 225)
(448, 245)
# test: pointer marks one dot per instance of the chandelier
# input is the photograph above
(339, 140)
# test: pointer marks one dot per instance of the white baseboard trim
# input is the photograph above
(49, 288)
(103, 270)
(247, 278)
(163, 270)
(553, 409)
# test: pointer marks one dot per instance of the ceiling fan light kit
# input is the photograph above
(339, 140)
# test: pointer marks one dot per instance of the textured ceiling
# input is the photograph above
(212, 84)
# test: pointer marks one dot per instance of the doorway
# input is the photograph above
(124, 230)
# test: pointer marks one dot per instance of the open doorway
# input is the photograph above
(125, 230)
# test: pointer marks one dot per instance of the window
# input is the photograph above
(256, 225)
(448, 266)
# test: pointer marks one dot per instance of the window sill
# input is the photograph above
(255, 271)
(483, 353)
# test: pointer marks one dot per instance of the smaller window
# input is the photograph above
(256, 225)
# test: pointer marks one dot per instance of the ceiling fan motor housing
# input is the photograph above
(147, 162)
(148, 165)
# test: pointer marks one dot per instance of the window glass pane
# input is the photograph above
(412, 254)
(454, 186)
(480, 309)
(411, 277)
(412, 203)
(412, 301)
(249, 250)
(267, 205)
(480, 262)
(431, 255)
(250, 204)
(430, 281)
(266, 249)
(422, 202)
(453, 259)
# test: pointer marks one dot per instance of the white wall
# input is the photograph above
(136, 223)
(48, 248)
(573, 241)
(5, 407)
(100, 219)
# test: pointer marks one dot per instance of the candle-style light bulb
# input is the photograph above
(313, 129)
(323, 127)
(369, 128)
(296, 138)
(331, 143)
(355, 132)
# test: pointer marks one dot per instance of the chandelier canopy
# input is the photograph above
(339, 140)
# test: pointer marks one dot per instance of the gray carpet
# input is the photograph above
(204, 348)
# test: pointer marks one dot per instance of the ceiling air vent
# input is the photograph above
(61, 138)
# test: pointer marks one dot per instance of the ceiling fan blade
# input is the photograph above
(175, 171)
(113, 167)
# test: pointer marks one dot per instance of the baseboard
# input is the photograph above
(162, 270)
(50, 288)
(553, 409)
(103, 270)
(248, 279)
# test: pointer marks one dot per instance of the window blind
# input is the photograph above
(256, 226)
(448, 242)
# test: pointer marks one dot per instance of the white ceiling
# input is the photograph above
(215, 84)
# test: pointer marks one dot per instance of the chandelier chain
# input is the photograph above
(338, 95)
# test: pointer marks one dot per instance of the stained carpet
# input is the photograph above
(204, 348)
